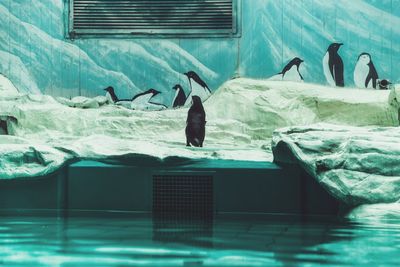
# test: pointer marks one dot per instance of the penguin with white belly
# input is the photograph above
(110, 94)
(142, 101)
(113, 98)
(365, 74)
(197, 87)
(290, 72)
(332, 65)
(179, 98)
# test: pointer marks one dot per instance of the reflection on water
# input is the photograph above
(132, 241)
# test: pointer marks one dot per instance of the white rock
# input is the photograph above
(241, 117)
(6, 86)
(357, 165)
(376, 212)
(84, 102)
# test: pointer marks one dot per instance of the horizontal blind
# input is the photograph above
(153, 16)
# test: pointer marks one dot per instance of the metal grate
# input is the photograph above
(183, 196)
(147, 17)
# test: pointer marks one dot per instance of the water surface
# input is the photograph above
(143, 241)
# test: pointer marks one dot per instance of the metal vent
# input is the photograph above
(176, 196)
(147, 17)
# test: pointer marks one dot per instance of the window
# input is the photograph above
(170, 18)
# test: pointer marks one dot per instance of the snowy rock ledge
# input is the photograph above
(241, 117)
(358, 165)
(268, 105)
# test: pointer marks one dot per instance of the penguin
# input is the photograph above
(142, 101)
(333, 66)
(110, 94)
(290, 72)
(365, 74)
(196, 123)
(197, 87)
(112, 98)
(180, 97)
(384, 84)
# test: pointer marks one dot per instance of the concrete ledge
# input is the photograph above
(238, 187)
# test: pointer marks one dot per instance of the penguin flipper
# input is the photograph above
(368, 80)
(331, 69)
(339, 75)
(372, 75)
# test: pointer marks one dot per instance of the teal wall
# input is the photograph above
(37, 57)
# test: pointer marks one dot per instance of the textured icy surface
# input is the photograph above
(241, 117)
(358, 165)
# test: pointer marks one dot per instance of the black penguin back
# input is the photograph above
(372, 75)
(339, 72)
(195, 123)
(180, 98)
(336, 64)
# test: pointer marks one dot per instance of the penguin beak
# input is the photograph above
(301, 60)
(340, 44)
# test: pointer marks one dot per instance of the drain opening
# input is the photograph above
(183, 196)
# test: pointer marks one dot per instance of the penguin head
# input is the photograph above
(109, 89)
(196, 100)
(153, 91)
(191, 75)
(177, 87)
(385, 82)
(364, 58)
(297, 61)
(334, 47)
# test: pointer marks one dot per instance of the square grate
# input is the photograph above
(183, 196)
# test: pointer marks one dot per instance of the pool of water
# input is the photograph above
(225, 241)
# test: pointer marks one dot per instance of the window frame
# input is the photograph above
(153, 33)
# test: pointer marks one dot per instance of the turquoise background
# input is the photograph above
(37, 57)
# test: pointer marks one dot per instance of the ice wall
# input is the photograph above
(36, 56)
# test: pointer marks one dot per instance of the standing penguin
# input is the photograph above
(180, 97)
(333, 66)
(197, 87)
(290, 72)
(365, 74)
(196, 123)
